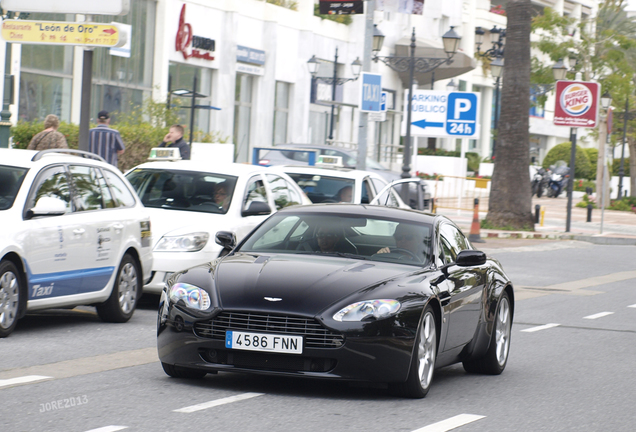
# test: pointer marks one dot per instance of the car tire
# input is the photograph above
(10, 291)
(181, 372)
(495, 360)
(123, 299)
(423, 360)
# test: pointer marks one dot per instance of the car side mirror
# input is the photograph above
(48, 206)
(226, 239)
(469, 258)
(257, 208)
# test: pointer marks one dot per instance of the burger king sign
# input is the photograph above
(576, 104)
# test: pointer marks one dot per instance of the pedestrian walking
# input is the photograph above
(175, 137)
(105, 141)
(49, 137)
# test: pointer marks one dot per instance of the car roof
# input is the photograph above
(348, 173)
(30, 158)
(235, 169)
(408, 215)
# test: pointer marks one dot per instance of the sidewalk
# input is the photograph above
(619, 227)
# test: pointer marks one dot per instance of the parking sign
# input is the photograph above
(442, 114)
(461, 116)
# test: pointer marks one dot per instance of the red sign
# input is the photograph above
(188, 44)
(577, 104)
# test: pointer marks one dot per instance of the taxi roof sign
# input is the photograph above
(164, 154)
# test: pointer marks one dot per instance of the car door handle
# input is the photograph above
(79, 231)
(118, 226)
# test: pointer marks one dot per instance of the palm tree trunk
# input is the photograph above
(510, 196)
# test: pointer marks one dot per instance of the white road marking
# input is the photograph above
(23, 380)
(598, 315)
(543, 327)
(632, 306)
(108, 429)
(451, 423)
(218, 402)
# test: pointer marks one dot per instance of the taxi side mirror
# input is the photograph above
(48, 206)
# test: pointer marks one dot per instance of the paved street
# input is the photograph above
(570, 367)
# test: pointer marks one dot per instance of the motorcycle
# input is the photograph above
(540, 182)
(558, 179)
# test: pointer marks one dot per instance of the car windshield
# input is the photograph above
(183, 190)
(347, 236)
(10, 181)
(324, 189)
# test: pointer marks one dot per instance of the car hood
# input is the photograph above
(177, 222)
(298, 284)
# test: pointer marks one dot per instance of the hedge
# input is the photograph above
(583, 168)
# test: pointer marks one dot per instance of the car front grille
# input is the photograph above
(314, 334)
(270, 362)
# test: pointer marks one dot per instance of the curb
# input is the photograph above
(626, 241)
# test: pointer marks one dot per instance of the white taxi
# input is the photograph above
(332, 184)
(74, 233)
(190, 200)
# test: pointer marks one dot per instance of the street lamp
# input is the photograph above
(621, 170)
(496, 54)
(451, 86)
(313, 65)
(414, 64)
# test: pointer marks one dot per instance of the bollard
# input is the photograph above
(589, 212)
(542, 214)
(537, 213)
(589, 191)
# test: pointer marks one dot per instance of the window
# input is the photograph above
(255, 192)
(52, 182)
(281, 112)
(121, 195)
(87, 192)
(452, 242)
(10, 181)
(284, 195)
(242, 116)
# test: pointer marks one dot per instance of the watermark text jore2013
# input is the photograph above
(64, 403)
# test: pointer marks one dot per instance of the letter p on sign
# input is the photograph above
(461, 106)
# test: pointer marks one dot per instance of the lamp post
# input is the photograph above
(193, 105)
(414, 64)
(496, 54)
(313, 65)
(606, 102)
(621, 170)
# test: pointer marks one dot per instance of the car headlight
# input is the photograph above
(368, 309)
(192, 242)
(193, 296)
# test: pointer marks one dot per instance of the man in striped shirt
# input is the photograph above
(105, 141)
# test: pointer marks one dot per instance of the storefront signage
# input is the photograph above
(576, 104)
(250, 55)
(62, 33)
(190, 45)
(250, 69)
(338, 7)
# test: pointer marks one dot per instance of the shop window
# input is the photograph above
(182, 77)
(243, 115)
(281, 112)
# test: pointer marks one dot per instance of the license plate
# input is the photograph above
(264, 342)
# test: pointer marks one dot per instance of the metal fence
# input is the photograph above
(459, 193)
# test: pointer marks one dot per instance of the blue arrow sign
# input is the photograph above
(423, 124)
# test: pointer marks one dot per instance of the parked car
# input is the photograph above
(327, 184)
(74, 233)
(189, 201)
(400, 294)
(282, 156)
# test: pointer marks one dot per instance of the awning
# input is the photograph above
(461, 64)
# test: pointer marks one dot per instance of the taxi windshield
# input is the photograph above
(183, 190)
(10, 181)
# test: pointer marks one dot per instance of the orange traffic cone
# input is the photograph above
(474, 237)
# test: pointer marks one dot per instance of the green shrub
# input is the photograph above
(582, 169)
(592, 155)
(585, 201)
(582, 185)
(141, 129)
(625, 204)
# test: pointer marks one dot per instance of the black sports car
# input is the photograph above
(335, 291)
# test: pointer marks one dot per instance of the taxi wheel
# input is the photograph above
(121, 304)
(10, 291)
(181, 372)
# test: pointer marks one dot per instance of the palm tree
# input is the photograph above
(510, 199)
